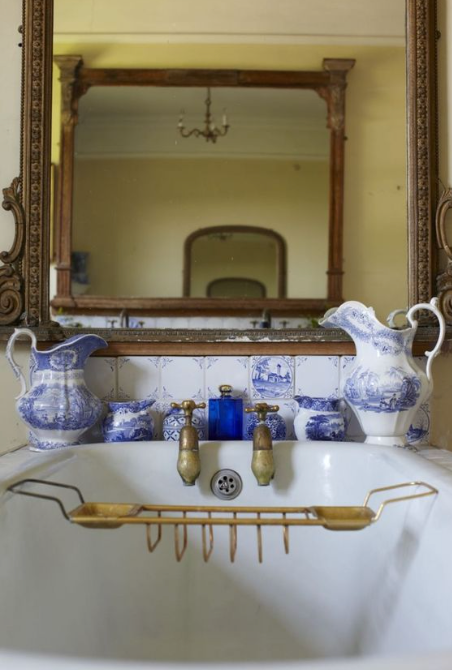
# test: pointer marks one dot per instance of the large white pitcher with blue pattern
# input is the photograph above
(58, 407)
(384, 386)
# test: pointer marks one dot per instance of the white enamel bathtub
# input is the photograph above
(72, 597)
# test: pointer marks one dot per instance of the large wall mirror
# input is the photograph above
(388, 156)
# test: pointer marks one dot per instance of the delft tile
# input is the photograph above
(419, 431)
(182, 377)
(344, 366)
(138, 377)
(235, 323)
(317, 376)
(271, 377)
(288, 410)
(164, 322)
(199, 323)
(147, 322)
(100, 377)
(231, 370)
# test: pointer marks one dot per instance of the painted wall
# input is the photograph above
(442, 367)
(12, 431)
(237, 255)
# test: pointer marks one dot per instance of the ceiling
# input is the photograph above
(303, 107)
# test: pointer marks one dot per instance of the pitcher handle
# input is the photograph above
(390, 319)
(17, 369)
(432, 306)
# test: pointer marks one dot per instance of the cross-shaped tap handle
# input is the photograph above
(188, 407)
(262, 409)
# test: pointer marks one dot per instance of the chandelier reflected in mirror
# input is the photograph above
(210, 131)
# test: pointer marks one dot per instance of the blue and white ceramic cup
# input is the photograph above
(319, 419)
(128, 421)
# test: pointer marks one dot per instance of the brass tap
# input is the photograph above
(262, 463)
(188, 461)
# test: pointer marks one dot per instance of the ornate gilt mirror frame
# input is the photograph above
(24, 277)
(76, 80)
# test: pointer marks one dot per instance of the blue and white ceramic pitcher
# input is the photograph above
(58, 408)
(384, 386)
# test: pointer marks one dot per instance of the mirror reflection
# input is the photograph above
(235, 262)
(271, 168)
(140, 188)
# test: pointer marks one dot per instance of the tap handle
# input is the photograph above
(262, 409)
(188, 406)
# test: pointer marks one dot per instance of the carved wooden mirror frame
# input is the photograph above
(24, 277)
(76, 79)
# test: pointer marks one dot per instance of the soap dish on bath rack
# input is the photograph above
(114, 515)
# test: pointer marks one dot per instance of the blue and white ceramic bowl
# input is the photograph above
(274, 421)
(128, 421)
(174, 420)
(319, 419)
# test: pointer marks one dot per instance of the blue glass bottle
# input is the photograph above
(225, 416)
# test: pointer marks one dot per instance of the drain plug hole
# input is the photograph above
(226, 484)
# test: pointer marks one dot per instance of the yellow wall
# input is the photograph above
(375, 195)
(241, 255)
(135, 214)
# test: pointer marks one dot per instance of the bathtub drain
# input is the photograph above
(226, 484)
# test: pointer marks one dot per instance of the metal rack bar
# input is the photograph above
(114, 515)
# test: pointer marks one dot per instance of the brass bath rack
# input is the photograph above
(115, 515)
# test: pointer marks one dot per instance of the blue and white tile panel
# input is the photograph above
(275, 379)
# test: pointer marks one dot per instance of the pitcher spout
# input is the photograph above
(361, 324)
(87, 344)
(71, 354)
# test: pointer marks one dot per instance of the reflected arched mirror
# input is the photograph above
(235, 262)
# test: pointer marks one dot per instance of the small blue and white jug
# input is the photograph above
(320, 419)
(58, 408)
(128, 421)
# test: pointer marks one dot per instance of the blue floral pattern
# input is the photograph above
(318, 404)
(362, 326)
(275, 422)
(68, 356)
